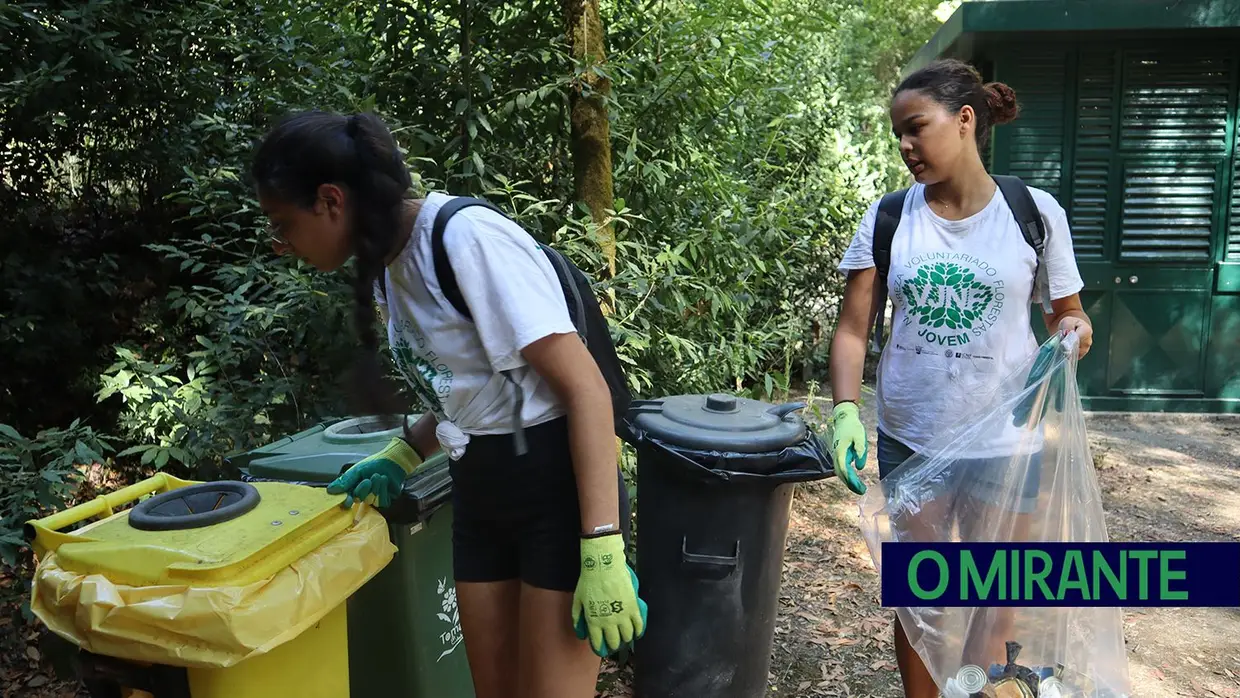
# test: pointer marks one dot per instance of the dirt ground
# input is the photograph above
(1163, 477)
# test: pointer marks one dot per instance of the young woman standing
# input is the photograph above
(953, 214)
(537, 553)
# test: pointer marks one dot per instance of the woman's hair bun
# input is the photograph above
(1001, 100)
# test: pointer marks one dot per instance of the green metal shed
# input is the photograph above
(1129, 117)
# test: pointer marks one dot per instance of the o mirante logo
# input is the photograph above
(1061, 574)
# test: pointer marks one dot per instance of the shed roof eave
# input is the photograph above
(974, 19)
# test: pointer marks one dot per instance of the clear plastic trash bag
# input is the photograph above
(1015, 467)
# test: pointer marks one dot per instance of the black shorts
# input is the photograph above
(517, 517)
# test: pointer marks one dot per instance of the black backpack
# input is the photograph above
(891, 207)
(583, 309)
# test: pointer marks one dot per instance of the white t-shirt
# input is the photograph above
(961, 294)
(454, 364)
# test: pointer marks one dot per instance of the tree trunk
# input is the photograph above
(590, 132)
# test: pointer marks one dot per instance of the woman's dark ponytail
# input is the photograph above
(382, 185)
(309, 149)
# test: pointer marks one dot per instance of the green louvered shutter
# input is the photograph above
(1175, 101)
(1173, 132)
(1093, 152)
(1168, 207)
(1036, 146)
(1233, 231)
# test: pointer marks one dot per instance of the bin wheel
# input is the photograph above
(205, 504)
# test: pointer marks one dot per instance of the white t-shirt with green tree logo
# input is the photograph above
(961, 295)
(452, 364)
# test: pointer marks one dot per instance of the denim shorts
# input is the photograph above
(982, 479)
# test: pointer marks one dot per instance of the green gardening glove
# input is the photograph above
(848, 445)
(605, 606)
(378, 479)
(1056, 385)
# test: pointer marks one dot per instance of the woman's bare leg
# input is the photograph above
(925, 526)
(990, 628)
(490, 622)
(554, 663)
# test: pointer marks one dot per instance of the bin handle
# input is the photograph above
(715, 565)
(45, 533)
(782, 411)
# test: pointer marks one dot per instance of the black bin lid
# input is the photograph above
(720, 422)
(421, 494)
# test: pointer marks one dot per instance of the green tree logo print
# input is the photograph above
(419, 373)
(946, 295)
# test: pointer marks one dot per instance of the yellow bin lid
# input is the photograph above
(208, 534)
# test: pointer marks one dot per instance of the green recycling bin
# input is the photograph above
(404, 627)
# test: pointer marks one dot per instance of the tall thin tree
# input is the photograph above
(590, 135)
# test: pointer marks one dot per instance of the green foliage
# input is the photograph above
(232, 360)
(105, 109)
(749, 182)
(40, 474)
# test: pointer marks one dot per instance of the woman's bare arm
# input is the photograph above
(569, 368)
(857, 313)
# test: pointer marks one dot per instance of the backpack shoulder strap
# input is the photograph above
(443, 268)
(890, 208)
(1025, 210)
(1032, 227)
(575, 287)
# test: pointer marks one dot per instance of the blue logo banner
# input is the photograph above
(1061, 574)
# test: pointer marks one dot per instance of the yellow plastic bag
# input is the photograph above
(210, 625)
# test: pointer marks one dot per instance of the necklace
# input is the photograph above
(939, 207)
